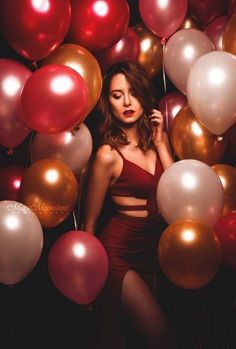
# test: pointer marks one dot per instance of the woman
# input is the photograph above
(127, 166)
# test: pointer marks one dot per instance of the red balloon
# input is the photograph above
(13, 76)
(127, 48)
(78, 266)
(34, 28)
(163, 18)
(215, 30)
(225, 230)
(205, 11)
(10, 180)
(54, 99)
(98, 24)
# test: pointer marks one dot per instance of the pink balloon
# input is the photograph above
(78, 266)
(54, 99)
(163, 18)
(215, 30)
(205, 11)
(10, 180)
(170, 105)
(13, 76)
(34, 28)
(98, 24)
(127, 48)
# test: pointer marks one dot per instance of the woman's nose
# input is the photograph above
(127, 100)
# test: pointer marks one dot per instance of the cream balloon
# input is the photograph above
(190, 189)
(73, 147)
(211, 90)
(21, 241)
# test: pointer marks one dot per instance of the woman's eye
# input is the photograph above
(116, 96)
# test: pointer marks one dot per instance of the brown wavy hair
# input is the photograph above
(110, 129)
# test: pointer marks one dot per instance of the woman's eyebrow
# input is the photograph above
(116, 90)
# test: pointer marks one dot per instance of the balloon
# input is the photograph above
(34, 28)
(163, 18)
(71, 147)
(150, 53)
(21, 241)
(126, 49)
(85, 63)
(231, 8)
(54, 99)
(10, 180)
(225, 230)
(215, 30)
(205, 11)
(181, 51)
(211, 90)
(189, 23)
(49, 188)
(170, 105)
(191, 140)
(78, 266)
(98, 24)
(189, 253)
(13, 76)
(229, 35)
(227, 175)
(198, 192)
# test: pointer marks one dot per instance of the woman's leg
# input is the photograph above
(143, 310)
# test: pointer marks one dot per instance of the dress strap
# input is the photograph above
(119, 152)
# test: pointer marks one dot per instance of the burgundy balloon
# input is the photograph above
(34, 28)
(78, 266)
(54, 99)
(10, 180)
(215, 30)
(98, 24)
(127, 48)
(13, 76)
(205, 11)
(225, 230)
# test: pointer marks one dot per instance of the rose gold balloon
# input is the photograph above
(215, 31)
(191, 140)
(229, 35)
(189, 253)
(151, 52)
(189, 23)
(49, 188)
(227, 175)
(85, 63)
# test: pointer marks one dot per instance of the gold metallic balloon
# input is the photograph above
(227, 176)
(189, 253)
(229, 35)
(189, 23)
(151, 50)
(84, 62)
(190, 139)
(49, 188)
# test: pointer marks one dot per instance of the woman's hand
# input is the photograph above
(157, 120)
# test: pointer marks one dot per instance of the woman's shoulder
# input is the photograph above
(106, 155)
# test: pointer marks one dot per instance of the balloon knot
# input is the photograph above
(163, 41)
(10, 151)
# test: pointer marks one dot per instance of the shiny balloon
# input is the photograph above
(13, 76)
(205, 11)
(190, 189)
(21, 241)
(189, 23)
(225, 230)
(227, 175)
(189, 253)
(229, 35)
(74, 147)
(211, 90)
(126, 49)
(10, 180)
(163, 18)
(49, 188)
(54, 99)
(181, 51)
(34, 28)
(190, 139)
(78, 266)
(170, 105)
(85, 63)
(98, 24)
(151, 50)
(215, 31)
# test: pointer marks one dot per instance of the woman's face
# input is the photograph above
(125, 105)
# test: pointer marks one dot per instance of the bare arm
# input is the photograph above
(161, 140)
(98, 184)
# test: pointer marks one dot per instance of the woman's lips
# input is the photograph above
(128, 112)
